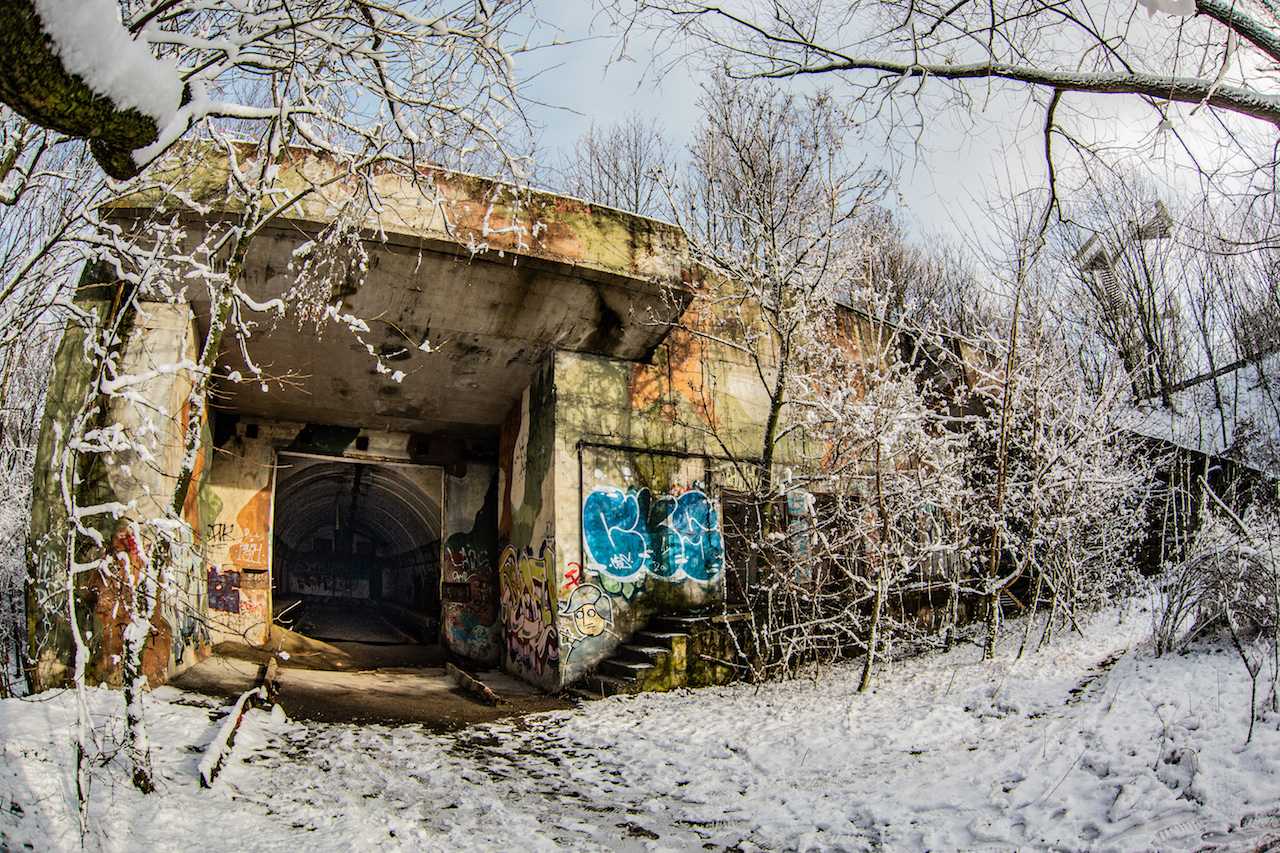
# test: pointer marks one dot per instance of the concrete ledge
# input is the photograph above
(470, 683)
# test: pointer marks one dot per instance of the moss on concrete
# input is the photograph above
(455, 208)
(71, 390)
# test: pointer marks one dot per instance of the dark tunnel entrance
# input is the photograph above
(357, 550)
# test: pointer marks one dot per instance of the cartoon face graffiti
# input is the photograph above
(588, 621)
(590, 610)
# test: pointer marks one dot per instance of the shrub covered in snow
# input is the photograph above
(23, 373)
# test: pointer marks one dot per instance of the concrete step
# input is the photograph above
(599, 686)
(658, 658)
(643, 654)
(661, 639)
(625, 669)
(677, 624)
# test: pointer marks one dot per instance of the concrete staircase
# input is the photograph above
(671, 652)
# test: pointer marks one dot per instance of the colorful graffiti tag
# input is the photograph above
(467, 565)
(254, 521)
(630, 534)
(800, 529)
(528, 620)
(224, 590)
(465, 628)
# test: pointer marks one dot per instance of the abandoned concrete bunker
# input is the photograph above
(501, 442)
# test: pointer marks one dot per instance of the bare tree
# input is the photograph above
(772, 208)
(623, 165)
(930, 283)
(1128, 274)
(426, 77)
(23, 374)
(892, 542)
(910, 60)
(1057, 490)
(1227, 583)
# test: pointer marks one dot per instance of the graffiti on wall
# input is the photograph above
(467, 565)
(253, 606)
(528, 620)
(465, 628)
(338, 578)
(800, 527)
(187, 610)
(224, 590)
(461, 563)
(191, 635)
(630, 534)
(586, 612)
(254, 521)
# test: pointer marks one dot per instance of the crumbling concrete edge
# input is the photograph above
(472, 684)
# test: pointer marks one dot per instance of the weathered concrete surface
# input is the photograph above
(530, 566)
(480, 214)
(469, 574)
(137, 471)
(639, 532)
(491, 323)
(494, 278)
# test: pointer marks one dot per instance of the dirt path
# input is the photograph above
(369, 683)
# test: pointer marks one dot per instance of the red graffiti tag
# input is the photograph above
(573, 576)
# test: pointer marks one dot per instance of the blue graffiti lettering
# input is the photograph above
(617, 531)
(628, 534)
(691, 537)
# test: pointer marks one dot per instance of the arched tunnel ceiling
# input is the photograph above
(377, 500)
(490, 322)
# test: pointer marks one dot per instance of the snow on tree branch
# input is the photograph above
(895, 50)
(135, 77)
(92, 43)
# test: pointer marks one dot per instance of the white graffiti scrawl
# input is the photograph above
(630, 534)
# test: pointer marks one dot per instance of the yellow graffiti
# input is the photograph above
(527, 613)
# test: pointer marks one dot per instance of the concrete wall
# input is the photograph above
(644, 453)
(131, 451)
(609, 509)
(637, 511)
(238, 572)
(609, 505)
(480, 214)
(602, 504)
(469, 617)
(531, 565)
(161, 336)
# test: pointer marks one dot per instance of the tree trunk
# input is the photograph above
(993, 567)
(874, 636)
(36, 86)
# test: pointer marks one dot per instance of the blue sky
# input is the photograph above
(944, 185)
(951, 175)
(585, 80)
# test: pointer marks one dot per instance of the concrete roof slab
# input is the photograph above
(550, 273)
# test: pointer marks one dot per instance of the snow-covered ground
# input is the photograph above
(1092, 744)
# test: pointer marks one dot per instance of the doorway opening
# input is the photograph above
(357, 555)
